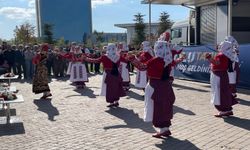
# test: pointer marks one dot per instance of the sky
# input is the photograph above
(105, 13)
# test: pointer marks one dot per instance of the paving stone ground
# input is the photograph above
(79, 119)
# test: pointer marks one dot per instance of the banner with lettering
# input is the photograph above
(197, 68)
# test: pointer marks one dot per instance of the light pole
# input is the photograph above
(229, 23)
(149, 25)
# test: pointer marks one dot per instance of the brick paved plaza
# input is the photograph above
(79, 119)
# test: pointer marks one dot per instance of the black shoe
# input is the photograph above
(116, 104)
(111, 105)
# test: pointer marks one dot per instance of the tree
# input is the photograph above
(48, 33)
(165, 23)
(139, 29)
(99, 37)
(84, 38)
(25, 33)
(60, 42)
(89, 42)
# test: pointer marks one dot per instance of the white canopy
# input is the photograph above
(182, 2)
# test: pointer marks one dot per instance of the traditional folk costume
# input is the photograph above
(40, 80)
(165, 36)
(159, 94)
(234, 69)
(220, 92)
(78, 72)
(112, 80)
(123, 68)
(143, 57)
(72, 49)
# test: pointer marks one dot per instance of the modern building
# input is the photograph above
(131, 30)
(71, 20)
(111, 37)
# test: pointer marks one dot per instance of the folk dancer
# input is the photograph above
(71, 51)
(165, 36)
(143, 57)
(159, 94)
(234, 68)
(221, 95)
(112, 80)
(78, 72)
(40, 80)
(123, 68)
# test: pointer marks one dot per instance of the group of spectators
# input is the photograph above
(17, 59)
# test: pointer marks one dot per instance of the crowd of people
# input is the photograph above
(154, 66)
(18, 59)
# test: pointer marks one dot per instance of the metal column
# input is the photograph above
(149, 20)
(229, 23)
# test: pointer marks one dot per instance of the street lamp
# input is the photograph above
(149, 26)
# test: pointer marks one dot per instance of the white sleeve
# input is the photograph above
(87, 51)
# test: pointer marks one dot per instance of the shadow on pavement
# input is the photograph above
(172, 143)
(239, 122)
(134, 87)
(12, 112)
(131, 120)
(46, 107)
(86, 92)
(136, 96)
(183, 111)
(11, 129)
(188, 88)
(243, 91)
(243, 102)
(61, 79)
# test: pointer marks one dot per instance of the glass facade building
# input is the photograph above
(71, 19)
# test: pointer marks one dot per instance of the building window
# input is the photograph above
(176, 33)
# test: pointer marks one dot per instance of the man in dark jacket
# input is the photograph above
(9, 55)
(3, 62)
(19, 61)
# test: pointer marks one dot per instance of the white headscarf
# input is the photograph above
(146, 47)
(77, 50)
(233, 41)
(112, 52)
(165, 36)
(162, 50)
(125, 47)
(227, 49)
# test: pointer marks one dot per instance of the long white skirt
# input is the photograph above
(104, 85)
(172, 72)
(232, 77)
(69, 68)
(124, 72)
(215, 89)
(141, 79)
(149, 104)
(78, 73)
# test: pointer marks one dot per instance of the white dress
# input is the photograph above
(141, 79)
(149, 104)
(78, 72)
(104, 85)
(124, 72)
(215, 89)
(69, 68)
(232, 75)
